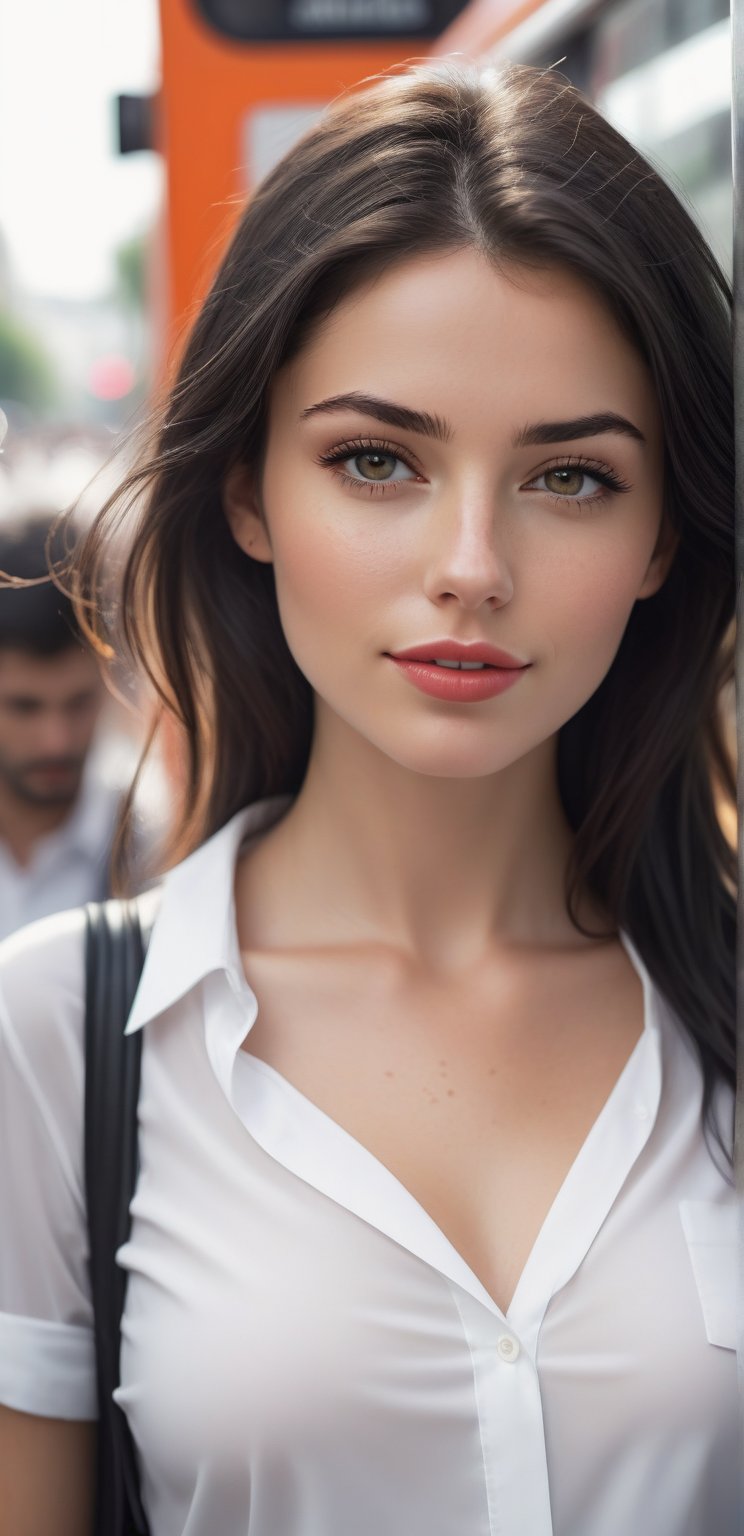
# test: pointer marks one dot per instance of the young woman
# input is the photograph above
(434, 1228)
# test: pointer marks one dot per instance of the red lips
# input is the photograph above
(459, 650)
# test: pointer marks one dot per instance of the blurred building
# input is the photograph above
(659, 70)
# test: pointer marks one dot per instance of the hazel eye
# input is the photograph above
(375, 465)
(370, 466)
(573, 473)
(568, 479)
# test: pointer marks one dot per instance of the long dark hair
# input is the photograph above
(517, 164)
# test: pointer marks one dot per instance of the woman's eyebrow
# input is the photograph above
(384, 410)
(578, 426)
(434, 426)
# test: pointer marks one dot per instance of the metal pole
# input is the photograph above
(737, 131)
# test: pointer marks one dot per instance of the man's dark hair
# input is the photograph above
(37, 619)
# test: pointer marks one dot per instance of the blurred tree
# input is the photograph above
(27, 373)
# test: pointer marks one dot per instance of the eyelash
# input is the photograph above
(348, 450)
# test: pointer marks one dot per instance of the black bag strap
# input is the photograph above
(116, 942)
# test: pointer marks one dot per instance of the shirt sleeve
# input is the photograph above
(47, 1354)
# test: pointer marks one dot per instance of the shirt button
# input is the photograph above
(507, 1347)
(640, 1111)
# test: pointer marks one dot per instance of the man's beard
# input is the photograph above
(27, 782)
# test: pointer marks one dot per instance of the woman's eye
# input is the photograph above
(368, 466)
(374, 465)
(565, 481)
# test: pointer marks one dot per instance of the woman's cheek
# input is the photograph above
(329, 591)
(328, 562)
(587, 630)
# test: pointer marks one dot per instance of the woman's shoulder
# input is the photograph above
(42, 980)
(43, 999)
(43, 973)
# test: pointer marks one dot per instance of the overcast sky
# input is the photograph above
(66, 198)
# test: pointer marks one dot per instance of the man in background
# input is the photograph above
(60, 782)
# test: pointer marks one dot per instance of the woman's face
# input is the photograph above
(416, 488)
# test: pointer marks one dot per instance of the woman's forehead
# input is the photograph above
(453, 330)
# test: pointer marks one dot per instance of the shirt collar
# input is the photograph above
(195, 932)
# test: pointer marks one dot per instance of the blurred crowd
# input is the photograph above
(69, 745)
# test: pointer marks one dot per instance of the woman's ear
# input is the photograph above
(242, 505)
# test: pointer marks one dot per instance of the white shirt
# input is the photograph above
(304, 1351)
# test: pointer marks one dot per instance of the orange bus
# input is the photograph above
(241, 80)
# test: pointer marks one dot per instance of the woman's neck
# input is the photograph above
(446, 871)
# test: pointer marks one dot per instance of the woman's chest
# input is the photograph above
(478, 1100)
(287, 1306)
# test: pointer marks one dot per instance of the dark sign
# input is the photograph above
(301, 21)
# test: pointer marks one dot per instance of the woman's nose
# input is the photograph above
(468, 556)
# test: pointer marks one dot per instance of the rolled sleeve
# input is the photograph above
(47, 1368)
